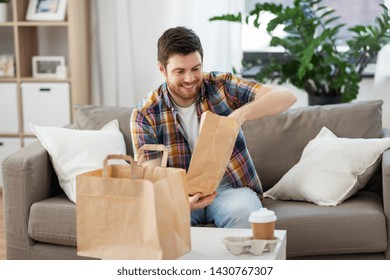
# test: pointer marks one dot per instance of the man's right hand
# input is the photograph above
(198, 202)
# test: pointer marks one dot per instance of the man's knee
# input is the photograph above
(236, 214)
(232, 207)
(234, 220)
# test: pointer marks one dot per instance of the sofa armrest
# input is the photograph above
(386, 189)
(27, 178)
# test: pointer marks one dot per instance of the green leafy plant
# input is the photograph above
(312, 60)
(4, 1)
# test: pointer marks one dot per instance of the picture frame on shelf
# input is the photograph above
(46, 10)
(47, 66)
(7, 65)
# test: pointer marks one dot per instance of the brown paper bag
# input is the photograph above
(212, 153)
(133, 212)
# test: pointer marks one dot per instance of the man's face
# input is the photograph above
(184, 76)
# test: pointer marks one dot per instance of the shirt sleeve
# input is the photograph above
(142, 132)
(240, 91)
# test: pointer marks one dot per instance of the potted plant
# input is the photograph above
(3, 10)
(312, 61)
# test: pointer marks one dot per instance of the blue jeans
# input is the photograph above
(230, 208)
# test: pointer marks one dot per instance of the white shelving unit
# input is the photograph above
(25, 39)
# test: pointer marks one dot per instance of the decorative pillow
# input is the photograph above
(74, 152)
(330, 169)
(94, 117)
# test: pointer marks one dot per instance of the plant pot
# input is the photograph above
(3, 12)
(324, 99)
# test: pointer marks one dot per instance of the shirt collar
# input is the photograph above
(165, 94)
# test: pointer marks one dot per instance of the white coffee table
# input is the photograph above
(207, 245)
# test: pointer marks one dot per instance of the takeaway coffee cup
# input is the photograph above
(263, 223)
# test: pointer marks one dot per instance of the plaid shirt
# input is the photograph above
(155, 121)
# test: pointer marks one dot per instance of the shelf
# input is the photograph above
(9, 135)
(33, 80)
(7, 24)
(31, 136)
(42, 23)
(8, 79)
(42, 80)
(34, 23)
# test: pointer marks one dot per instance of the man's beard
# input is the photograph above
(180, 92)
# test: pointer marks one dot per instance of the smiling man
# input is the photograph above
(170, 115)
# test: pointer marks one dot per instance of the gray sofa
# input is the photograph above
(40, 220)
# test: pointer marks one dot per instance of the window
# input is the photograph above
(255, 41)
(351, 12)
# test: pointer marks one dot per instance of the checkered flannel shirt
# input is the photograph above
(155, 121)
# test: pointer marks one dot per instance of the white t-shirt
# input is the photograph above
(189, 122)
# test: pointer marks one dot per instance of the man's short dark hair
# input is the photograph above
(177, 40)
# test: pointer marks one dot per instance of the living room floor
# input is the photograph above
(2, 237)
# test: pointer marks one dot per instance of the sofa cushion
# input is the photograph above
(95, 117)
(276, 142)
(356, 226)
(53, 220)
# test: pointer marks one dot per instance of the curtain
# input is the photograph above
(112, 68)
(124, 36)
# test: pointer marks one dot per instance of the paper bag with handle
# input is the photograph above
(133, 212)
(212, 153)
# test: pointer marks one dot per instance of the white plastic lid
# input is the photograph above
(263, 215)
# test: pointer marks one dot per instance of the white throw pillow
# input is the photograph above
(330, 169)
(74, 152)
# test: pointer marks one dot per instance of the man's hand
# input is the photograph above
(198, 202)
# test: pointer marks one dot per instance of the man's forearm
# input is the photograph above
(275, 101)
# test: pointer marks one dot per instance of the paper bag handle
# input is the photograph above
(124, 157)
(153, 147)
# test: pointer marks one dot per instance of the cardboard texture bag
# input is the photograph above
(212, 153)
(133, 212)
